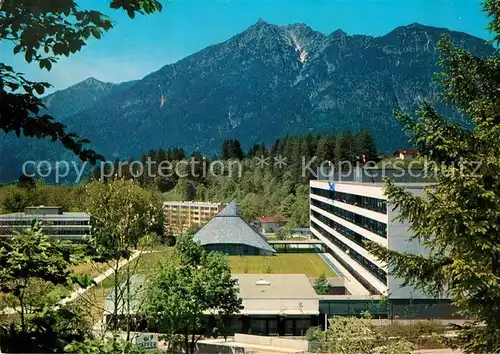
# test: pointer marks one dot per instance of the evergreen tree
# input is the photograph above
(344, 147)
(326, 149)
(231, 150)
(237, 150)
(257, 150)
(365, 146)
(458, 217)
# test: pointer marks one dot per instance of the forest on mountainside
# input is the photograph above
(265, 180)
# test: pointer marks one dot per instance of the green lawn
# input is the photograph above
(148, 263)
(309, 264)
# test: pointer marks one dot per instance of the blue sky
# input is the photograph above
(137, 47)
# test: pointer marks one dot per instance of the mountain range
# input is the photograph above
(259, 85)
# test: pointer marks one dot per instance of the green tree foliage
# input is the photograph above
(458, 218)
(193, 229)
(184, 190)
(14, 198)
(103, 346)
(122, 213)
(231, 150)
(191, 284)
(345, 148)
(257, 150)
(283, 234)
(321, 285)
(365, 146)
(49, 331)
(349, 335)
(43, 31)
(29, 257)
(326, 149)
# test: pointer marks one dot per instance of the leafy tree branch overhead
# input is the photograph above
(43, 31)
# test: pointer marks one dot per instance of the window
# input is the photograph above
(341, 229)
(258, 326)
(378, 273)
(369, 224)
(374, 204)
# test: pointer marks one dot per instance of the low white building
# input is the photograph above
(273, 304)
(54, 222)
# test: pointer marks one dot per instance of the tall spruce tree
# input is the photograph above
(326, 148)
(344, 147)
(365, 145)
(231, 150)
(458, 217)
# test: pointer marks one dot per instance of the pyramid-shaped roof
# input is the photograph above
(228, 227)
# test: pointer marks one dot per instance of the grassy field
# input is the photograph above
(309, 264)
(148, 263)
(93, 269)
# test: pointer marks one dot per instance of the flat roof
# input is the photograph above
(262, 294)
(375, 184)
(182, 203)
(291, 242)
(63, 216)
(277, 294)
(275, 286)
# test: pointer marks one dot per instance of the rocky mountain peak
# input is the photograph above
(93, 82)
(338, 34)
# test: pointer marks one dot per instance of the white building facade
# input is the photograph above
(345, 215)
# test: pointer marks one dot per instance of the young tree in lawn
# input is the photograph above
(44, 31)
(122, 212)
(283, 234)
(321, 285)
(458, 217)
(190, 285)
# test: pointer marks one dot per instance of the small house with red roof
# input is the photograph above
(406, 154)
(267, 224)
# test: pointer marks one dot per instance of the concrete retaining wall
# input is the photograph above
(299, 345)
(214, 348)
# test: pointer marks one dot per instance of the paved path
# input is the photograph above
(438, 351)
(80, 291)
